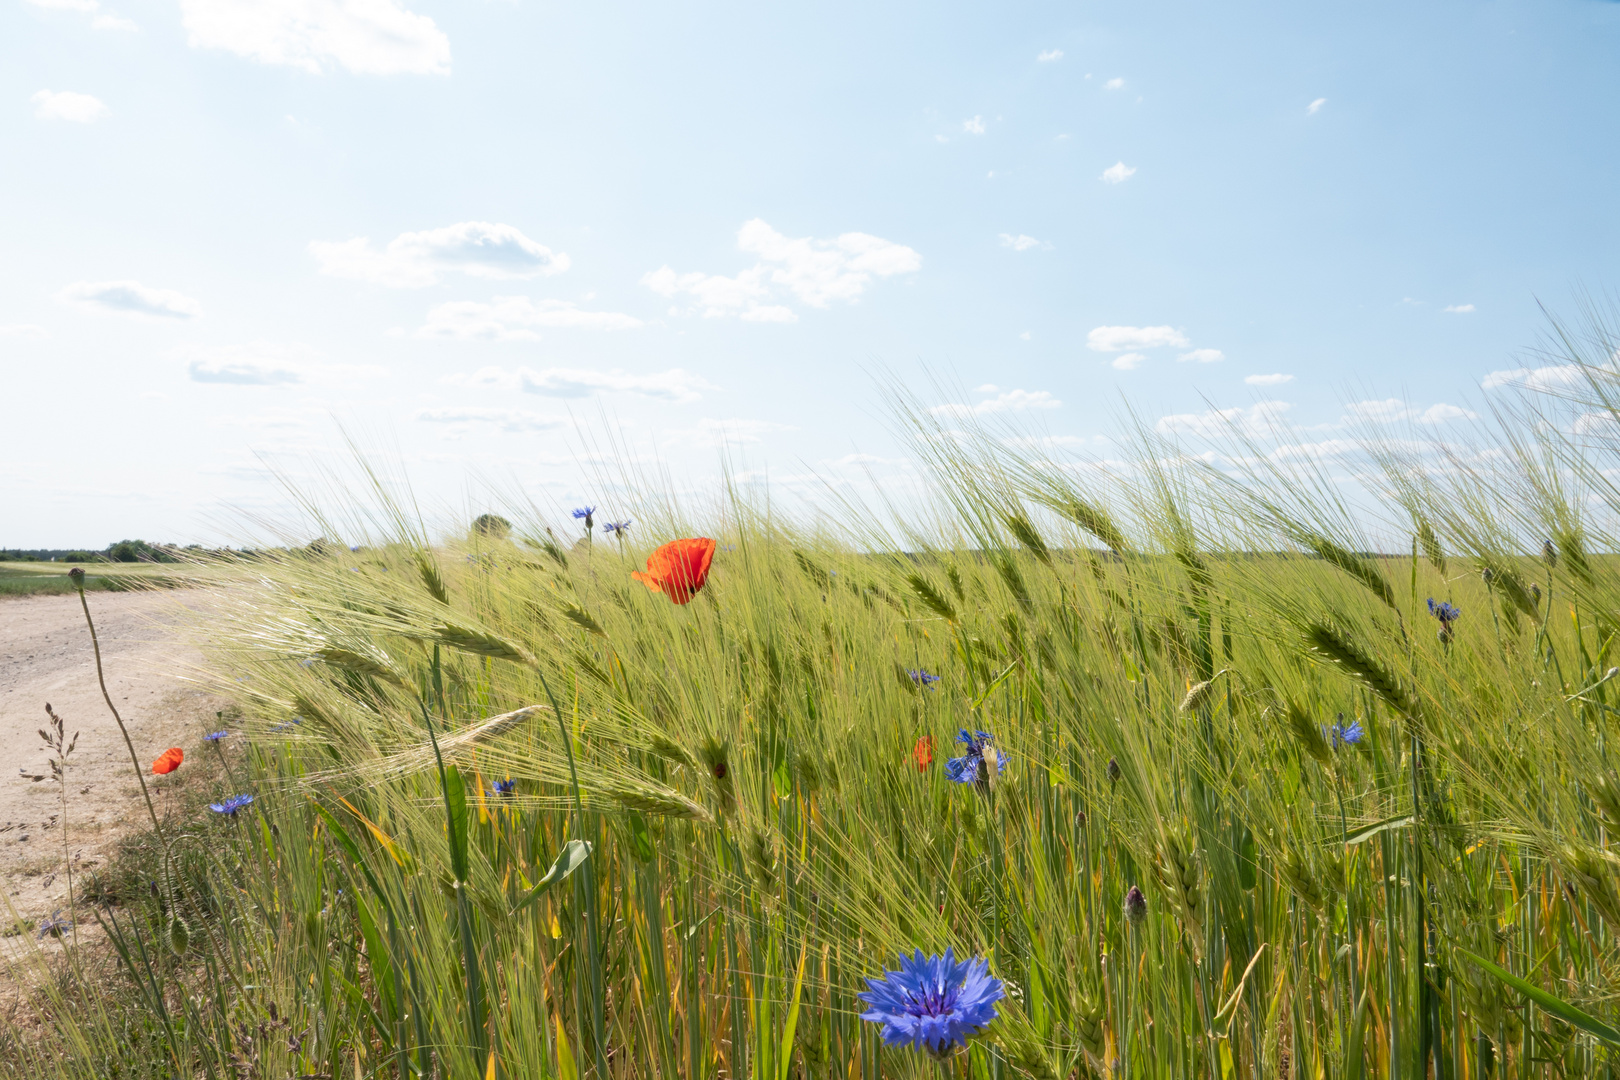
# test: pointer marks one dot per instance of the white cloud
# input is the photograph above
(514, 318)
(814, 271)
(412, 260)
(676, 384)
(1327, 449)
(1203, 356)
(515, 420)
(974, 125)
(1458, 309)
(1129, 361)
(65, 5)
(130, 298)
(1380, 412)
(66, 105)
(1258, 419)
(263, 363)
(23, 330)
(1121, 338)
(1439, 414)
(1268, 380)
(368, 37)
(1314, 107)
(1021, 242)
(1050, 55)
(1553, 377)
(1118, 173)
(112, 22)
(711, 432)
(1007, 401)
(1114, 84)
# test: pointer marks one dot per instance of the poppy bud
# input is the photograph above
(1549, 554)
(179, 936)
(76, 575)
(1114, 772)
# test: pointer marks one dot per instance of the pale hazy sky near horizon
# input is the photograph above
(233, 227)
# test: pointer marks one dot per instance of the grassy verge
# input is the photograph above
(51, 579)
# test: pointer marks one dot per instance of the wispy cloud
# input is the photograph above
(1050, 55)
(515, 318)
(1006, 401)
(1121, 338)
(512, 420)
(1128, 361)
(1118, 173)
(1394, 410)
(974, 125)
(1114, 84)
(815, 272)
(711, 432)
(102, 21)
(1268, 380)
(675, 385)
(68, 106)
(1552, 377)
(1202, 356)
(1315, 107)
(130, 298)
(263, 363)
(1021, 242)
(367, 37)
(1258, 419)
(1458, 309)
(412, 260)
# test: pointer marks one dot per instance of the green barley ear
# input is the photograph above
(954, 576)
(1024, 532)
(1593, 873)
(1089, 1029)
(549, 547)
(1310, 736)
(1571, 547)
(432, 580)
(362, 661)
(1358, 567)
(1334, 646)
(931, 598)
(1430, 544)
(1095, 521)
(715, 757)
(762, 857)
(649, 798)
(1296, 873)
(1176, 864)
(1198, 694)
(479, 643)
(1028, 1057)
(583, 619)
(1503, 579)
(669, 749)
(811, 570)
(1008, 569)
(1605, 791)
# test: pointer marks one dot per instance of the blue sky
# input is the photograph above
(459, 230)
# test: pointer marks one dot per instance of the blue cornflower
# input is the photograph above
(922, 678)
(216, 736)
(55, 926)
(231, 805)
(972, 767)
(507, 787)
(1444, 612)
(1342, 734)
(616, 528)
(585, 512)
(933, 1003)
(288, 726)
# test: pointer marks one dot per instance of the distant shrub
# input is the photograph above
(139, 551)
(492, 525)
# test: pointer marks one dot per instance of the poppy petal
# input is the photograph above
(168, 761)
(679, 568)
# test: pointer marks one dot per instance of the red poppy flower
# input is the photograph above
(679, 568)
(169, 760)
(923, 753)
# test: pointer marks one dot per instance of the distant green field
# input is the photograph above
(35, 578)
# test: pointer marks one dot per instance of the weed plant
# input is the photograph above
(1262, 813)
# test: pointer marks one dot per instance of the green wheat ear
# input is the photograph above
(1334, 646)
(1308, 733)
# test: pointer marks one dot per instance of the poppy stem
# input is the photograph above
(78, 580)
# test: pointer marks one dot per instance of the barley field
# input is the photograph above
(1210, 788)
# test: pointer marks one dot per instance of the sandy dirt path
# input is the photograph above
(45, 656)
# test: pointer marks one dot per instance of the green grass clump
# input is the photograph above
(727, 814)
